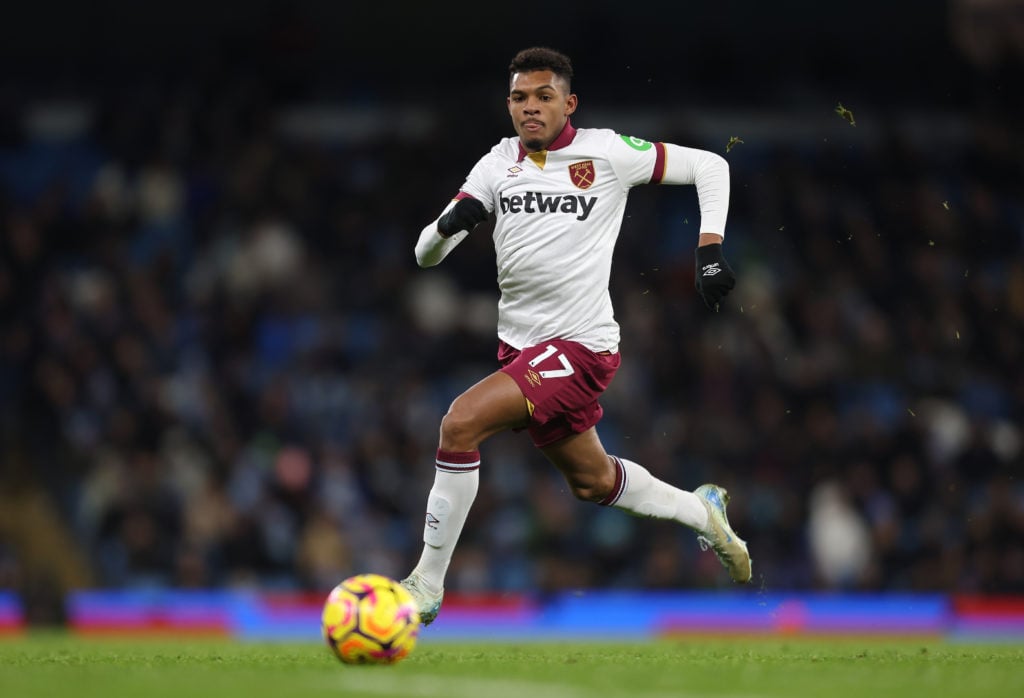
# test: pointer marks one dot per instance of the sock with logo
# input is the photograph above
(455, 485)
(638, 492)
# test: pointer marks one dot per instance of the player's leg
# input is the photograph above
(492, 405)
(595, 476)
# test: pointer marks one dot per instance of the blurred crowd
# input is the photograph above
(220, 363)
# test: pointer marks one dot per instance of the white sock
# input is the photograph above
(641, 494)
(455, 484)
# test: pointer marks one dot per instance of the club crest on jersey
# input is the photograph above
(582, 174)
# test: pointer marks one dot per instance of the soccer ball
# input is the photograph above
(370, 619)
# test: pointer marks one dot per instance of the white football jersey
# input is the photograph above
(558, 214)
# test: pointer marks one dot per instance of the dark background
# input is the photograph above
(734, 52)
(220, 366)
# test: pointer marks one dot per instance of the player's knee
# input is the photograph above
(458, 430)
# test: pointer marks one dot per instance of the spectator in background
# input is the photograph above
(840, 540)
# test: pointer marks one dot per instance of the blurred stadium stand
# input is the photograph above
(221, 368)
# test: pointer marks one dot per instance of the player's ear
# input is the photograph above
(571, 103)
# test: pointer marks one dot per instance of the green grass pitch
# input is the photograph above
(69, 667)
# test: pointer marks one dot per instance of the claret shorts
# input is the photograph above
(562, 382)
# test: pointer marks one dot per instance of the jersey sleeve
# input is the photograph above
(431, 247)
(479, 183)
(636, 161)
(709, 172)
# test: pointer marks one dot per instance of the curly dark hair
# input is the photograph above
(542, 58)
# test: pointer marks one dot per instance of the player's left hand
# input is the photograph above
(713, 276)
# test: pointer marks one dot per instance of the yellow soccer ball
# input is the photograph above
(370, 619)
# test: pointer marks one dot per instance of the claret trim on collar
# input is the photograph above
(563, 139)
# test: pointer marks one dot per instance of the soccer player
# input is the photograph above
(558, 194)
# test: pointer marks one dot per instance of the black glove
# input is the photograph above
(465, 215)
(713, 277)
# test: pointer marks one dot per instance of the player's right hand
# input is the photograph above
(465, 215)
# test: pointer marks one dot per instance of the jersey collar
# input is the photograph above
(561, 140)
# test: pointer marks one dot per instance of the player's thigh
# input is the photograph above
(492, 405)
(581, 458)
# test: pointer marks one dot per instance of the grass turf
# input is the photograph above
(38, 666)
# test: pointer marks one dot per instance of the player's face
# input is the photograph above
(539, 102)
